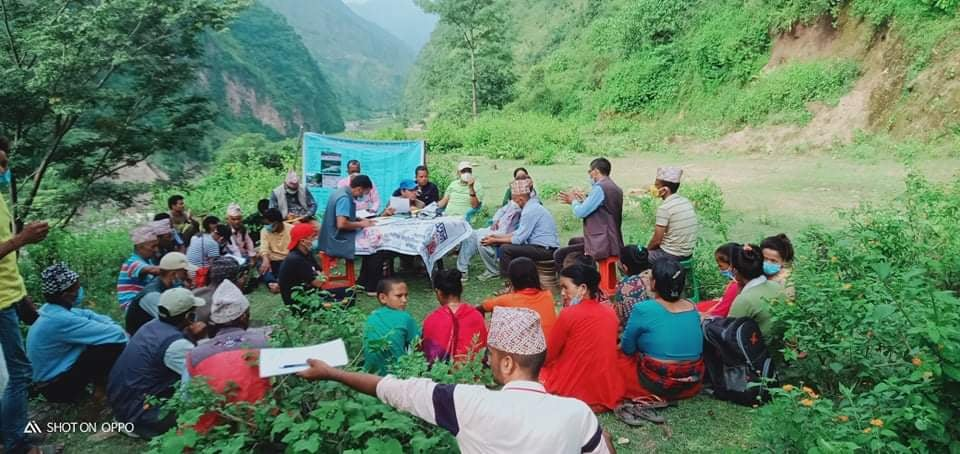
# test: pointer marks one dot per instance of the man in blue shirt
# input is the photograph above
(338, 231)
(602, 212)
(535, 238)
(71, 347)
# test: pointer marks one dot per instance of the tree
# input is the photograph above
(93, 86)
(480, 25)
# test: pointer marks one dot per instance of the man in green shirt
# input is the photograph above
(13, 416)
(390, 329)
(462, 196)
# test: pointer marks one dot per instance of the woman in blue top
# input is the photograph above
(665, 332)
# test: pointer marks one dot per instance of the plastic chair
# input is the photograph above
(689, 266)
(336, 281)
(608, 275)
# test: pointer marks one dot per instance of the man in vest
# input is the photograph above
(602, 213)
(292, 199)
(153, 362)
(146, 305)
(521, 417)
(338, 232)
(675, 234)
(225, 360)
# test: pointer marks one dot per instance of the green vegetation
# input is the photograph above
(262, 79)
(366, 66)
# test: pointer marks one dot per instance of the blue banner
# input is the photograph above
(385, 162)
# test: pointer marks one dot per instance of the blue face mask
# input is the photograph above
(5, 177)
(269, 228)
(315, 247)
(727, 274)
(770, 269)
(575, 300)
(81, 295)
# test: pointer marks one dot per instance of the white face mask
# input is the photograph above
(466, 177)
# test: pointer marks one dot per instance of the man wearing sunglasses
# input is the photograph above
(153, 362)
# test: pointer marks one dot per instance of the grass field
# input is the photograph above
(765, 194)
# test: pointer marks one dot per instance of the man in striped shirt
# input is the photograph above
(138, 270)
(675, 235)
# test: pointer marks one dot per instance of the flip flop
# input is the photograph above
(647, 414)
(623, 414)
(650, 401)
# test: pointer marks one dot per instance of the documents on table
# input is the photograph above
(363, 214)
(283, 361)
(400, 204)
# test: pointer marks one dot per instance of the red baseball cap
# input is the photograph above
(300, 232)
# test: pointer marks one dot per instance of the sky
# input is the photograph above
(402, 18)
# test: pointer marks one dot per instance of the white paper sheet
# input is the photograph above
(400, 204)
(363, 214)
(283, 361)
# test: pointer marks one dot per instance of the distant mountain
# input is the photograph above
(261, 78)
(403, 18)
(367, 66)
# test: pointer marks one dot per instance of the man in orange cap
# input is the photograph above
(300, 267)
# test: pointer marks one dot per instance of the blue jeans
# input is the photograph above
(13, 405)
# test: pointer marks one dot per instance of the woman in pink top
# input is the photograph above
(455, 330)
(721, 307)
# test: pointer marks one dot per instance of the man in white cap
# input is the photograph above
(241, 244)
(462, 197)
(224, 360)
(292, 199)
(153, 362)
(520, 418)
(138, 270)
(166, 239)
(675, 234)
(174, 272)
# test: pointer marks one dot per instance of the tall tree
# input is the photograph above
(93, 86)
(479, 24)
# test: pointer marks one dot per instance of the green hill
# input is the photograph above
(261, 78)
(708, 68)
(367, 66)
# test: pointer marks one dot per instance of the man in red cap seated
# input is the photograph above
(300, 267)
(521, 417)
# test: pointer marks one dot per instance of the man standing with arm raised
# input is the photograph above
(602, 213)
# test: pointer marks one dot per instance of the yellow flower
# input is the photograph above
(807, 402)
(834, 259)
(847, 286)
(867, 430)
(927, 375)
(876, 422)
(810, 392)
(917, 361)
(843, 418)
(788, 388)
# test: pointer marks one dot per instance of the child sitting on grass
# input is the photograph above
(390, 329)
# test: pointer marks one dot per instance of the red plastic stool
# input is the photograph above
(608, 275)
(333, 281)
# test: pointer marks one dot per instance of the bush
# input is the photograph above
(875, 330)
(94, 254)
(316, 417)
(533, 137)
(642, 83)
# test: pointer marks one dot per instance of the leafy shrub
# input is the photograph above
(315, 417)
(256, 149)
(875, 329)
(731, 44)
(95, 254)
(643, 83)
(536, 138)
(229, 182)
(787, 90)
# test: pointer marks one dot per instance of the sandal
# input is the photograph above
(646, 413)
(627, 417)
(650, 401)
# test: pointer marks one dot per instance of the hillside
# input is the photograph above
(261, 78)
(738, 73)
(367, 66)
(402, 18)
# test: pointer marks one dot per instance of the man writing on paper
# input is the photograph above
(369, 201)
(338, 232)
(521, 417)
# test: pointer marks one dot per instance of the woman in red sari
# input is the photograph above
(455, 330)
(582, 352)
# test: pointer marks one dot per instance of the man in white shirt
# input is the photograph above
(521, 417)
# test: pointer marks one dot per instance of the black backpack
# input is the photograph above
(739, 366)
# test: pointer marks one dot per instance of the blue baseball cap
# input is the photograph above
(408, 185)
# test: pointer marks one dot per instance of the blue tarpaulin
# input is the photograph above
(385, 162)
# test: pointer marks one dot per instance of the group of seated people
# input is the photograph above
(185, 313)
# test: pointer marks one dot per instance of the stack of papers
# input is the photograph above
(284, 361)
(400, 204)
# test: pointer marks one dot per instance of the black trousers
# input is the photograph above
(508, 252)
(575, 245)
(93, 366)
(372, 271)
